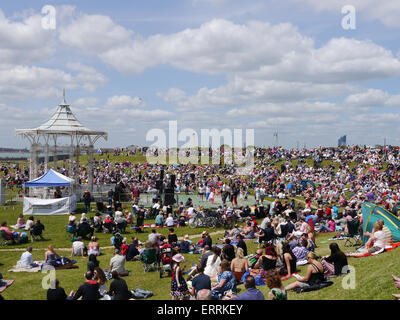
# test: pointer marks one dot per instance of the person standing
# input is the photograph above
(110, 196)
(179, 287)
(136, 194)
(87, 199)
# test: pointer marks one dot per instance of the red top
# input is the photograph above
(124, 249)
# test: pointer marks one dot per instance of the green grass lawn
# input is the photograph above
(372, 274)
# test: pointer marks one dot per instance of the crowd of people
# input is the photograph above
(331, 196)
(362, 173)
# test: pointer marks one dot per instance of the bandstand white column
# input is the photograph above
(90, 168)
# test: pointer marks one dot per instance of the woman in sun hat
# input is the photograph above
(179, 289)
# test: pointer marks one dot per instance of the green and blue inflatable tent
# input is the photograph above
(372, 213)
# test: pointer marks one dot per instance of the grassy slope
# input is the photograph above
(373, 274)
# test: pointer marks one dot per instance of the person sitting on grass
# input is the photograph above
(20, 222)
(301, 252)
(267, 234)
(169, 222)
(29, 224)
(89, 290)
(241, 244)
(78, 248)
(336, 263)
(51, 257)
(213, 263)
(159, 221)
(92, 263)
(310, 244)
(124, 247)
(26, 260)
(185, 246)
(133, 251)
(109, 224)
(385, 230)
(200, 281)
(128, 217)
(289, 261)
(117, 263)
(274, 283)
(55, 292)
(251, 293)
(249, 232)
(85, 230)
(94, 246)
(228, 250)
(239, 265)
(98, 222)
(72, 220)
(100, 277)
(172, 237)
(119, 288)
(329, 227)
(120, 221)
(378, 240)
(234, 232)
(268, 261)
(226, 281)
(314, 274)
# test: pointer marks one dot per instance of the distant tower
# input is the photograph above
(193, 143)
(276, 138)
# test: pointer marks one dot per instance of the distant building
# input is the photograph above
(342, 141)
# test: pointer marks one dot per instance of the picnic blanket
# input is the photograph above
(43, 266)
(5, 284)
(15, 227)
(388, 248)
(18, 268)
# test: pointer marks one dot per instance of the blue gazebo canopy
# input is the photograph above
(50, 179)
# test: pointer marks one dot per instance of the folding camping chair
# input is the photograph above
(149, 258)
(36, 232)
(4, 240)
(71, 231)
(354, 234)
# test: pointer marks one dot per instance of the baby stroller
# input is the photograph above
(166, 260)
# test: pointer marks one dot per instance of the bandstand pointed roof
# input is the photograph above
(62, 122)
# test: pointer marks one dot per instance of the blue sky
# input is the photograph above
(267, 65)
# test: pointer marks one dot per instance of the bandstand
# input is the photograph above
(62, 133)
